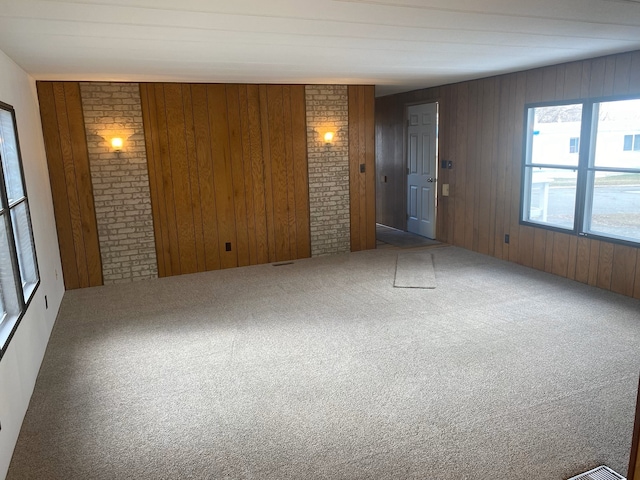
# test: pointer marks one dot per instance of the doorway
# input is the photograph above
(422, 163)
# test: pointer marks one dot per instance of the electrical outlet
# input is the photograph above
(227, 246)
(506, 238)
(445, 189)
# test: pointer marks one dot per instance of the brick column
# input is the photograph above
(120, 181)
(328, 110)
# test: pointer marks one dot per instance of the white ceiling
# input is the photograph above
(397, 45)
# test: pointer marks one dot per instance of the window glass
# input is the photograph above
(615, 120)
(614, 209)
(551, 197)
(24, 247)
(10, 301)
(10, 157)
(3, 311)
(551, 130)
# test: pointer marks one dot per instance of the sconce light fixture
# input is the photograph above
(116, 144)
(328, 138)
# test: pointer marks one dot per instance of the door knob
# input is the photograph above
(430, 180)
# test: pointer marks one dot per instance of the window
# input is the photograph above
(18, 266)
(574, 144)
(631, 142)
(596, 192)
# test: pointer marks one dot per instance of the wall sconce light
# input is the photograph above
(328, 138)
(116, 144)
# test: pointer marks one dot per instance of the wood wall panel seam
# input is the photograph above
(258, 172)
(206, 181)
(221, 157)
(194, 175)
(560, 81)
(245, 132)
(177, 144)
(289, 168)
(148, 139)
(168, 188)
(636, 284)
(268, 190)
(362, 180)
(573, 80)
(71, 182)
(623, 269)
(621, 77)
(370, 164)
(301, 172)
(237, 175)
(354, 189)
(278, 170)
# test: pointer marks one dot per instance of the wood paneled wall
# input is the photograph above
(227, 164)
(68, 161)
(362, 167)
(481, 131)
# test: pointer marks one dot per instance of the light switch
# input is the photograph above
(445, 189)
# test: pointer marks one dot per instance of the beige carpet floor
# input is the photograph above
(322, 370)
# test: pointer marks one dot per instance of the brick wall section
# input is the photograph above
(328, 110)
(120, 181)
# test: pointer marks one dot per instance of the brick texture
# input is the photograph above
(328, 110)
(120, 181)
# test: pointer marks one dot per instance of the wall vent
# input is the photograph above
(600, 473)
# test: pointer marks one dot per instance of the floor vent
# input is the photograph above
(600, 473)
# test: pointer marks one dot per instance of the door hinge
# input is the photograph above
(408, 171)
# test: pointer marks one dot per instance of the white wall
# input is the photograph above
(21, 362)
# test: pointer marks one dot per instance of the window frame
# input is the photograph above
(587, 133)
(8, 326)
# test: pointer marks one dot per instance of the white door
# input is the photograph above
(422, 162)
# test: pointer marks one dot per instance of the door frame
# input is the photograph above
(405, 152)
